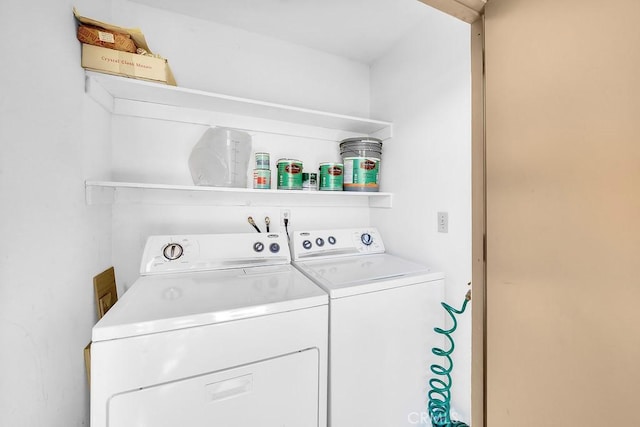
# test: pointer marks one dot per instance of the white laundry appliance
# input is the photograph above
(219, 330)
(382, 313)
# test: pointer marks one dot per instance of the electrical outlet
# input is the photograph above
(443, 222)
(285, 213)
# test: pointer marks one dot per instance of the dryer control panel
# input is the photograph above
(203, 252)
(321, 244)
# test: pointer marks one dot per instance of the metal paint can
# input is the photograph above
(361, 157)
(289, 174)
(262, 161)
(331, 176)
(262, 179)
(309, 181)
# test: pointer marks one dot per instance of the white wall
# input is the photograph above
(235, 62)
(423, 85)
(219, 58)
(146, 150)
(52, 138)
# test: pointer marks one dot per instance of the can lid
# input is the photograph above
(361, 139)
(288, 161)
(331, 164)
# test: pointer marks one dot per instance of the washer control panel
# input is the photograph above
(320, 244)
(201, 252)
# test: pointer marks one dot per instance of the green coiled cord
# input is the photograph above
(440, 393)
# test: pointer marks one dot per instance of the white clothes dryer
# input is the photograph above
(219, 330)
(382, 313)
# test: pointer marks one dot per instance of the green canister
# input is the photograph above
(331, 176)
(289, 174)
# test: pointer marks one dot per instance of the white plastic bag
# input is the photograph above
(220, 158)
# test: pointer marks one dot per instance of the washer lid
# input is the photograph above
(346, 276)
(183, 300)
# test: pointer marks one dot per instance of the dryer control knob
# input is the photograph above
(274, 247)
(306, 244)
(366, 238)
(258, 246)
(319, 241)
(172, 251)
(331, 240)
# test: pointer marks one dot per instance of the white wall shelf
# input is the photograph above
(131, 97)
(137, 98)
(108, 192)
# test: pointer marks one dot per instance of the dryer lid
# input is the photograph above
(168, 302)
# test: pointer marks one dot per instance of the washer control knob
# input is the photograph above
(320, 241)
(366, 238)
(172, 251)
(331, 240)
(274, 248)
(307, 244)
(258, 246)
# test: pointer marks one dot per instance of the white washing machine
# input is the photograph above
(219, 330)
(382, 313)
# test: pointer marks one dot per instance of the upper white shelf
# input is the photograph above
(116, 93)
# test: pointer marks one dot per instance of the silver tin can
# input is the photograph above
(262, 161)
(262, 179)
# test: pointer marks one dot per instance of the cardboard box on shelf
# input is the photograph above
(116, 62)
(139, 66)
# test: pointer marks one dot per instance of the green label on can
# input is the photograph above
(289, 175)
(331, 176)
(361, 172)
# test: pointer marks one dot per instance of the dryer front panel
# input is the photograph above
(282, 391)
